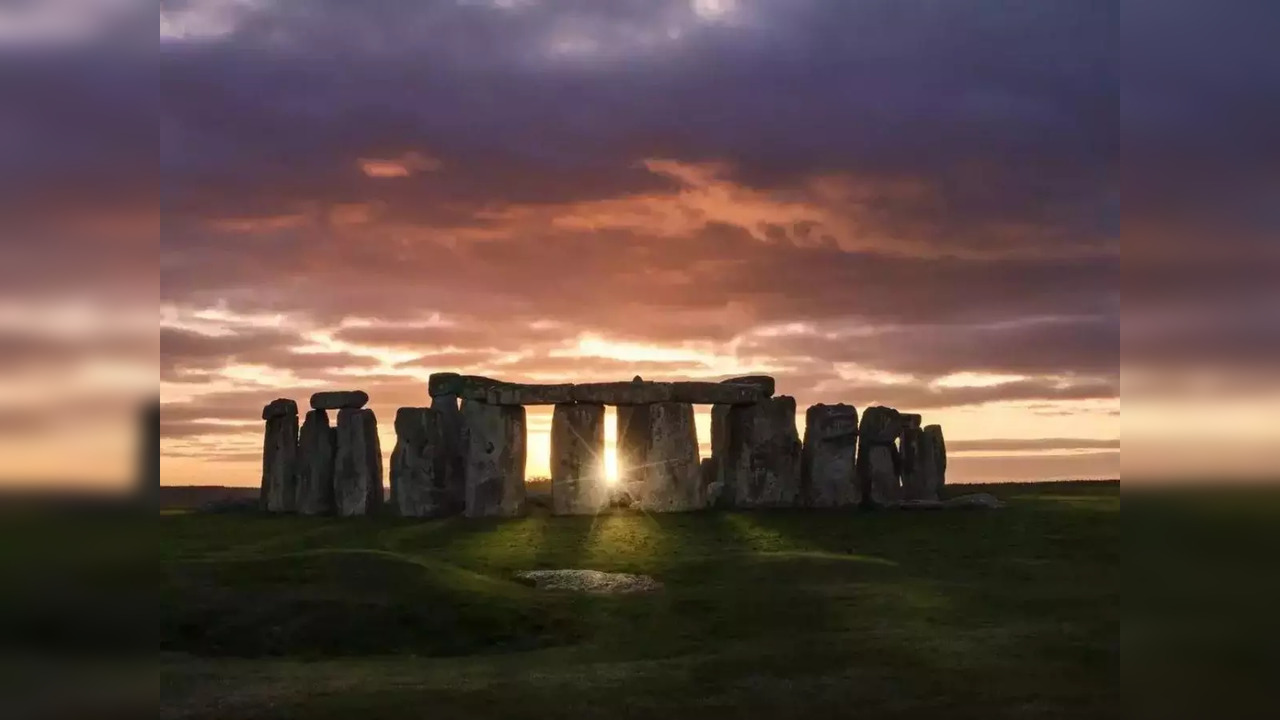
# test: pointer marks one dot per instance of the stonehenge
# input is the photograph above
(465, 454)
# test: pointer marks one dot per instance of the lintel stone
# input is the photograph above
(710, 393)
(339, 400)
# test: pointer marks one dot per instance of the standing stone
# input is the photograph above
(879, 463)
(453, 451)
(418, 465)
(317, 447)
(933, 459)
(763, 460)
(577, 460)
(495, 451)
(830, 445)
(908, 451)
(672, 474)
(280, 457)
(719, 491)
(633, 446)
(357, 471)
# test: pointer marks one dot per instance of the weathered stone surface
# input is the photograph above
(622, 393)
(495, 451)
(280, 464)
(912, 420)
(879, 464)
(317, 448)
(709, 393)
(339, 400)
(672, 476)
(520, 394)
(444, 383)
(453, 451)
(764, 382)
(474, 387)
(418, 465)
(577, 460)
(633, 446)
(763, 459)
(357, 469)
(280, 407)
(830, 448)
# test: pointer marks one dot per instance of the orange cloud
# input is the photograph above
(410, 163)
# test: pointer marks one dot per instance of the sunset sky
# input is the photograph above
(873, 203)
(904, 203)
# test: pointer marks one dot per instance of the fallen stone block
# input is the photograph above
(589, 581)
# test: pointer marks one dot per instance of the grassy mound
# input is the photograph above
(348, 602)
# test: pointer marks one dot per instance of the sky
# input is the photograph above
(915, 204)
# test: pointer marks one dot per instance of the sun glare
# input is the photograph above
(611, 470)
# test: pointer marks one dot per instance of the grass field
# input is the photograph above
(959, 614)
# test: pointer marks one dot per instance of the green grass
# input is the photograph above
(959, 614)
